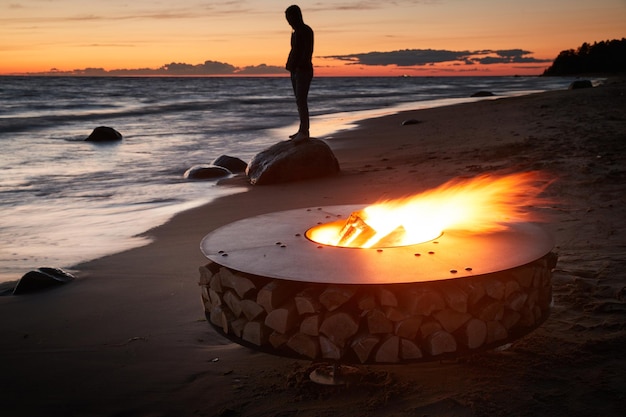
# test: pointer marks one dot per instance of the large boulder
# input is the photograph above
(104, 134)
(292, 161)
(41, 279)
(234, 165)
(206, 172)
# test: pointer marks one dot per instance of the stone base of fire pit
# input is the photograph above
(377, 323)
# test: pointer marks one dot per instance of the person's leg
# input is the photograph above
(301, 82)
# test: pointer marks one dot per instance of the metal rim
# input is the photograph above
(274, 245)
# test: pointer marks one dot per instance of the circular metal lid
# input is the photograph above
(274, 245)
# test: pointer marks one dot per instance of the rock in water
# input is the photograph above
(104, 134)
(234, 165)
(206, 172)
(483, 94)
(575, 85)
(289, 161)
(41, 279)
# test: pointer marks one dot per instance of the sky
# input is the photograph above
(251, 37)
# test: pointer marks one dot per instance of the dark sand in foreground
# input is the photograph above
(129, 337)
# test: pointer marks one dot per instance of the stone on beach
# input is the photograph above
(104, 134)
(41, 279)
(206, 172)
(575, 85)
(234, 165)
(483, 94)
(289, 161)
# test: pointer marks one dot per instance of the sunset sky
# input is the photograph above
(352, 37)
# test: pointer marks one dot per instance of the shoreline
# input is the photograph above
(129, 335)
(326, 127)
(28, 240)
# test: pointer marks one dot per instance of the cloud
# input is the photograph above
(360, 5)
(261, 70)
(207, 68)
(415, 58)
(423, 57)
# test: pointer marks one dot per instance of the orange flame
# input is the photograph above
(480, 205)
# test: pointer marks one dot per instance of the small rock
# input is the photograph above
(104, 134)
(580, 84)
(41, 279)
(234, 165)
(483, 94)
(410, 122)
(206, 172)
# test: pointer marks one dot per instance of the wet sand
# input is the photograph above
(129, 336)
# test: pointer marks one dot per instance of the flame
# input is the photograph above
(480, 205)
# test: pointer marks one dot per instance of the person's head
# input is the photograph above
(294, 15)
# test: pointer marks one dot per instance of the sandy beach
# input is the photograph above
(129, 336)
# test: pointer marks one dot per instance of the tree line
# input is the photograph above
(606, 57)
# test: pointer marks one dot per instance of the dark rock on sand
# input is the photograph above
(483, 94)
(410, 122)
(206, 172)
(289, 161)
(41, 279)
(234, 165)
(104, 134)
(575, 85)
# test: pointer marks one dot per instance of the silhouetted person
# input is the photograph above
(300, 66)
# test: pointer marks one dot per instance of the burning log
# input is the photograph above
(356, 232)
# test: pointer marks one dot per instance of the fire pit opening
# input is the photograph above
(356, 232)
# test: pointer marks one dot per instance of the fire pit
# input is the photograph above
(276, 283)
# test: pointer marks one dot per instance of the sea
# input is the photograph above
(64, 201)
